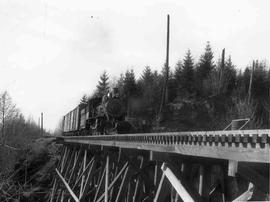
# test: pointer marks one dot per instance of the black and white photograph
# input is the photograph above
(134, 101)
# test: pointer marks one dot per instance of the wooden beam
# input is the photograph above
(151, 156)
(61, 167)
(182, 167)
(159, 187)
(107, 179)
(66, 170)
(118, 197)
(100, 183)
(183, 193)
(232, 168)
(113, 182)
(84, 166)
(176, 197)
(137, 181)
(69, 162)
(246, 195)
(233, 152)
(81, 175)
(67, 186)
(62, 196)
(112, 192)
(55, 181)
(63, 159)
(53, 190)
(155, 175)
(89, 176)
(201, 172)
(76, 157)
(172, 193)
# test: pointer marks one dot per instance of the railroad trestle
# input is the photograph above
(185, 166)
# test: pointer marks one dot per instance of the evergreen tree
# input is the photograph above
(120, 84)
(230, 73)
(147, 76)
(260, 84)
(178, 72)
(170, 90)
(129, 91)
(146, 84)
(84, 99)
(187, 74)
(206, 63)
(130, 83)
(157, 92)
(204, 67)
(103, 84)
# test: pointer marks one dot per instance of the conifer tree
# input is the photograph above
(130, 83)
(206, 63)
(187, 76)
(120, 84)
(146, 84)
(147, 76)
(157, 91)
(103, 84)
(169, 84)
(84, 99)
(205, 67)
(230, 73)
(178, 71)
(129, 90)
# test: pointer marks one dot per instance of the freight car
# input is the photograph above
(98, 116)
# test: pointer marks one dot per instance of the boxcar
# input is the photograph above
(71, 121)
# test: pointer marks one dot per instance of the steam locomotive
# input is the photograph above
(98, 116)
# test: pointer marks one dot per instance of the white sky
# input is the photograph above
(52, 51)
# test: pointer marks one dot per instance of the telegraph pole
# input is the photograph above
(164, 98)
(221, 70)
(250, 81)
(41, 124)
(167, 59)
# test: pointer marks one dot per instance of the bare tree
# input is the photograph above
(7, 111)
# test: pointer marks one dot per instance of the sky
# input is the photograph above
(53, 51)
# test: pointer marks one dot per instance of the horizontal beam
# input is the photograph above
(237, 145)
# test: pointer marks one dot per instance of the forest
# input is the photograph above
(201, 95)
(16, 132)
(26, 159)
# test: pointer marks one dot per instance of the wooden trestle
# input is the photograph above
(157, 167)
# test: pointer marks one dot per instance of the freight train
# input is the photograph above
(98, 116)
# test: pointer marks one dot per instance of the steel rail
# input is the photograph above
(237, 145)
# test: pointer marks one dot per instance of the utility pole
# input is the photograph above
(41, 124)
(221, 70)
(250, 82)
(164, 98)
(167, 59)
(269, 109)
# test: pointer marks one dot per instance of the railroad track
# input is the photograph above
(237, 145)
